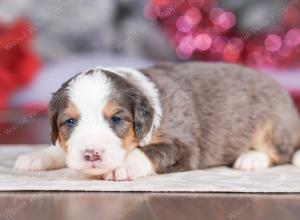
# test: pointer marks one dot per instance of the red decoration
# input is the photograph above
(199, 29)
(18, 63)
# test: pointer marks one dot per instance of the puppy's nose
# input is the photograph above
(91, 155)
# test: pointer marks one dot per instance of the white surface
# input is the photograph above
(278, 179)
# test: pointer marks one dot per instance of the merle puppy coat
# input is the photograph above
(122, 124)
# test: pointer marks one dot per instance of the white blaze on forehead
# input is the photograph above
(90, 92)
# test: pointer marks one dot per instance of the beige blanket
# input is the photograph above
(222, 179)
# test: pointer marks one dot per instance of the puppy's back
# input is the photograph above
(232, 106)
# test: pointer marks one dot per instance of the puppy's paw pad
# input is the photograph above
(252, 160)
(30, 163)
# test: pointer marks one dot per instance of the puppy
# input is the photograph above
(123, 124)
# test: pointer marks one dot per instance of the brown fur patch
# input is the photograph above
(125, 130)
(157, 137)
(129, 140)
(262, 140)
(110, 109)
(63, 142)
(64, 132)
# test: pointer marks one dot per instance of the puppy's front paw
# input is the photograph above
(252, 160)
(31, 162)
(121, 173)
(136, 165)
(125, 173)
(46, 159)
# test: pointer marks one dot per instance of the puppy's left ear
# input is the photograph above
(143, 116)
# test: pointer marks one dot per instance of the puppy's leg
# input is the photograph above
(252, 160)
(270, 145)
(172, 157)
(49, 158)
(259, 157)
(135, 165)
(154, 158)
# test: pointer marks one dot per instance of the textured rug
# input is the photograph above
(281, 179)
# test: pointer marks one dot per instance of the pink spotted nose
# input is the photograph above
(91, 155)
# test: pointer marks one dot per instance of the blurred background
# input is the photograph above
(43, 43)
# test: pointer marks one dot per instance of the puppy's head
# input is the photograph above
(97, 117)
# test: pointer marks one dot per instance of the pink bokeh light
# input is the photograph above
(214, 13)
(273, 42)
(185, 48)
(203, 30)
(194, 14)
(292, 38)
(225, 20)
(203, 42)
(184, 23)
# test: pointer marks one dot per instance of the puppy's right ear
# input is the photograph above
(53, 109)
(57, 102)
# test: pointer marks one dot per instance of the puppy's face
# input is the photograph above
(97, 117)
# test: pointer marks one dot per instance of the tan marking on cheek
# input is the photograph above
(110, 109)
(262, 140)
(63, 142)
(64, 133)
(129, 141)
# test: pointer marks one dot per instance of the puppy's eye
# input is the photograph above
(115, 120)
(71, 123)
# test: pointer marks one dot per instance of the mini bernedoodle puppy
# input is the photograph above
(122, 124)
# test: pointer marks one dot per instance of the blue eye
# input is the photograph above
(70, 123)
(115, 120)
